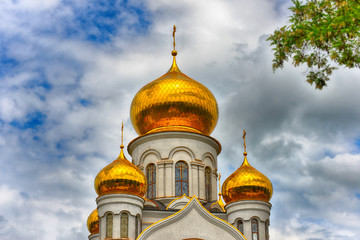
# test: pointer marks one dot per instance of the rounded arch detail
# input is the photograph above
(106, 213)
(127, 212)
(182, 149)
(256, 218)
(147, 153)
(212, 159)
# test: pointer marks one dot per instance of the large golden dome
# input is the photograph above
(120, 176)
(174, 102)
(93, 222)
(247, 183)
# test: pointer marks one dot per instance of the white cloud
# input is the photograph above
(302, 139)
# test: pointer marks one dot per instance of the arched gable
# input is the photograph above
(178, 203)
(193, 221)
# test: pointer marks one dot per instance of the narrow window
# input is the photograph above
(124, 225)
(181, 179)
(254, 229)
(151, 180)
(109, 225)
(240, 226)
(208, 183)
(267, 236)
(137, 226)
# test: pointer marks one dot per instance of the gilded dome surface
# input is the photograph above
(93, 222)
(174, 102)
(120, 176)
(246, 183)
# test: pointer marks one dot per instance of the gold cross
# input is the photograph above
(122, 134)
(244, 140)
(174, 30)
(219, 184)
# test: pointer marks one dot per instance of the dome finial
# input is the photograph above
(174, 67)
(245, 153)
(219, 186)
(174, 52)
(122, 135)
(122, 142)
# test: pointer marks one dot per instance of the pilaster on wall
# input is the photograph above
(169, 179)
(214, 185)
(160, 181)
(194, 190)
(202, 182)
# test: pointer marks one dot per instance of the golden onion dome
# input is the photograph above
(174, 102)
(120, 176)
(93, 222)
(247, 183)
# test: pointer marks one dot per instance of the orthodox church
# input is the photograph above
(169, 190)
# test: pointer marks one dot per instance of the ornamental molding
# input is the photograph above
(110, 202)
(168, 135)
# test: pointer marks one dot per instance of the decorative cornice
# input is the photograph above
(161, 135)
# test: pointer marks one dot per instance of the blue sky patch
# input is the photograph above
(100, 21)
(357, 142)
(24, 195)
(329, 153)
(85, 102)
(36, 138)
(32, 121)
(7, 63)
(43, 83)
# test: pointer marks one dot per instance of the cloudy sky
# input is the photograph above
(69, 71)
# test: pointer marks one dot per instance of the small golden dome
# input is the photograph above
(93, 222)
(174, 102)
(120, 176)
(246, 183)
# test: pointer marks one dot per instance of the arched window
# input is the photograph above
(109, 225)
(240, 226)
(124, 225)
(254, 229)
(151, 180)
(208, 183)
(181, 179)
(137, 225)
(267, 236)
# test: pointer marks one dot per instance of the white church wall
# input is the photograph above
(117, 204)
(248, 210)
(165, 149)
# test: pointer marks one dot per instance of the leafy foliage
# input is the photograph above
(322, 34)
